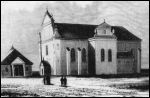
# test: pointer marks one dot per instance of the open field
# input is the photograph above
(84, 87)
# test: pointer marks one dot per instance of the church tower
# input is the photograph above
(104, 44)
(50, 43)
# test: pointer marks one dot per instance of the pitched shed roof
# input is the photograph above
(85, 31)
(13, 55)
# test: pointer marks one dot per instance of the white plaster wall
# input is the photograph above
(105, 67)
(53, 56)
(50, 56)
(73, 44)
(57, 56)
(46, 33)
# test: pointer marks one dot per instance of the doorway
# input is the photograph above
(18, 70)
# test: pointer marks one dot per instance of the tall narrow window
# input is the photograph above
(84, 55)
(6, 69)
(46, 50)
(132, 51)
(109, 55)
(42, 71)
(102, 55)
(73, 55)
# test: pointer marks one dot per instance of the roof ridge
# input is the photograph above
(17, 54)
(75, 24)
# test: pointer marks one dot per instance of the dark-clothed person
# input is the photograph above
(62, 81)
(65, 81)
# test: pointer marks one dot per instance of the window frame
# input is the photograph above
(47, 50)
(73, 55)
(84, 55)
(109, 55)
(102, 55)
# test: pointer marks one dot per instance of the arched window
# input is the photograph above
(84, 55)
(73, 55)
(132, 52)
(46, 50)
(102, 55)
(109, 55)
(42, 71)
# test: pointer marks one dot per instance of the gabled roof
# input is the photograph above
(123, 34)
(49, 15)
(13, 55)
(85, 31)
(104, 25)
(75, 31)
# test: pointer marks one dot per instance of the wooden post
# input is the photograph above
(68, 61)
(24, 70)
(40, 46)
(13, 74)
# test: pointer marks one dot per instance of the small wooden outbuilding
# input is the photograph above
(16, 65)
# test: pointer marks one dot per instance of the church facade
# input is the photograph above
(82, 49)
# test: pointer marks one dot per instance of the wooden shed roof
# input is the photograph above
(13, 55)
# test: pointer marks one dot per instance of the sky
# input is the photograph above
(19, 5)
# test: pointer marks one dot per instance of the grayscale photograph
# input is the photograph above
(74, 48)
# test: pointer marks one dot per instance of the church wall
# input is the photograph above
(46, 37)
(50, 56)
(105, 67)
(127, 46)
(73, 65)
(46, 33)
(125, 66)
(53, 56)
(57, 56)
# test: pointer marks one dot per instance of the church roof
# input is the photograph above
(76, 31)
(123, 34)
(13, 54)
(85, 31)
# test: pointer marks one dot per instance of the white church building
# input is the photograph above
(84, 49)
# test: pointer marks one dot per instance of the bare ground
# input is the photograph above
(77, 87)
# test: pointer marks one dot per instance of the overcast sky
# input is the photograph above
(30, 5)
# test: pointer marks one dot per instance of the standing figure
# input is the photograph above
(62, 81)
(65, 81)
